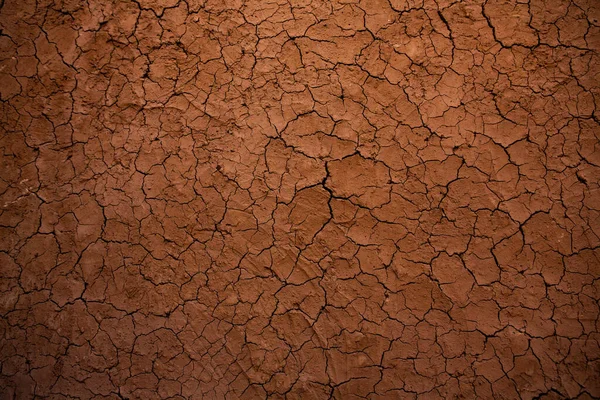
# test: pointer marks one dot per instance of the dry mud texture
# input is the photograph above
(299, 199)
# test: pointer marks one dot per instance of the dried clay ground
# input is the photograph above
(299, 199)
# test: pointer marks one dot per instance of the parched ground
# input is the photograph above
(299, 199)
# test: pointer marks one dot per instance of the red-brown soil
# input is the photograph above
(299, 199)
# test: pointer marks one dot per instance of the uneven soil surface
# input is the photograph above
(299, 199)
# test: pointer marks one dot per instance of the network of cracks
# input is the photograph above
(299, 199)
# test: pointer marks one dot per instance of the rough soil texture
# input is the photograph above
(299, 199)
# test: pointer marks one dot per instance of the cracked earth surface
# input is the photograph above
(299, 199)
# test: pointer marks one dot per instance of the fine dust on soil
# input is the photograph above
(299, 199)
